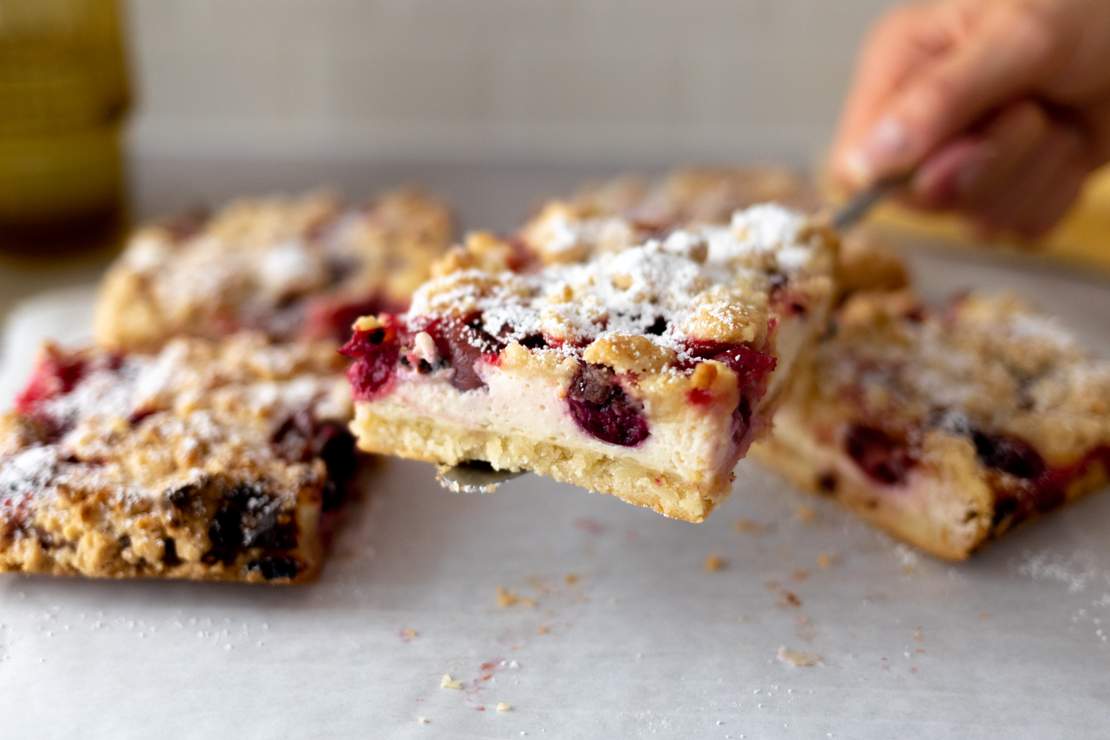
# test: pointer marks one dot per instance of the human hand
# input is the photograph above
(1002, 105)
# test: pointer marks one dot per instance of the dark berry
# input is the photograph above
(462, 343)
(375, 354)
(1009, 454)
(827, 483)
(273, 567)
(657, 327)
(534, 341)
(169, 552)
(249, 517)
(184, 497)
(601, 407)
(336, 447)
(331, 318)
(879, 455)
(55, 375)
(752, 367)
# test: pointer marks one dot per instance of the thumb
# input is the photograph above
(1003, 54)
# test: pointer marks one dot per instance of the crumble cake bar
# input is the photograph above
(296, 267)
(641, 371)
(205, 461)
(945, 427)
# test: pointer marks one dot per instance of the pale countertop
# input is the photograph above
(643, 643)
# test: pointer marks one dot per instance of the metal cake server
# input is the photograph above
(478, 476)
(859, 205)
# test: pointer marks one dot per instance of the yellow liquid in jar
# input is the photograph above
(63, 95)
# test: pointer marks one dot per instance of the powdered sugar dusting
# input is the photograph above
(27, 472)
(139, 425)
(651, 289)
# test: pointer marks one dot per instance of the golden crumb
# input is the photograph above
(366, 323)
(797, 658)
(749, 526)
(827, 560)
(447, 682)
(503, 707)
(543, 629)
(570, 579)
(805, 514)
(408, 633)
(789, 598)
(507, 598)
(714, 563)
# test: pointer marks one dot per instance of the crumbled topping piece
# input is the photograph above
(797, 658)
(714, 563)
(507, 598)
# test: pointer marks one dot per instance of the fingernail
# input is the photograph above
(887, 140)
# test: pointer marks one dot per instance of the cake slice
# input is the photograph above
(638, 367)
(945, 427)
(205, 461)
(296, 267)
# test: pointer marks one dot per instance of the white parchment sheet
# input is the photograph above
(617, 631)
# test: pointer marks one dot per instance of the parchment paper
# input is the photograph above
(618, 630)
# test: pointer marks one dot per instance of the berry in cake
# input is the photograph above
(947, 426)
(290, 268)
(204, 461)
(643, 370)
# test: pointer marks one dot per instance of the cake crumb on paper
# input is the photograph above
(570, 579)
(826, 560)
(789, 598)
(714, 563)
(423, 721)
(408, 634)
(749, 526)
(805, 514)
(797, 658)
(447, 682)
(507, 598)
(503, 707)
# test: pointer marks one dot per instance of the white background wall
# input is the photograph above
(655, 80)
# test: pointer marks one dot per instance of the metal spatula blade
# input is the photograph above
(859, 205)
(473, 476)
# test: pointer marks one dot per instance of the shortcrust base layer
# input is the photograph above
(420, 439)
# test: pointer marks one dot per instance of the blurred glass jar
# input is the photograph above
(63, 97)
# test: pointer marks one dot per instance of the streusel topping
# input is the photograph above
(704, 283)
(142, 425)
(288, 266)
(984, 363)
